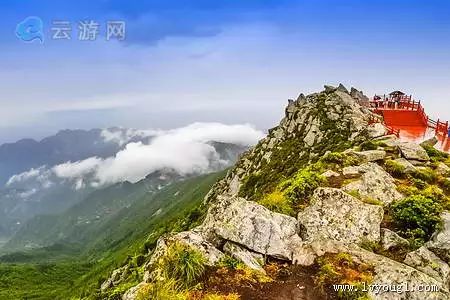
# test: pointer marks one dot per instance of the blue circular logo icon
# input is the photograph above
(30, 29)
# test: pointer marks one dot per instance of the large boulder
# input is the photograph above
(413, 151)
(375, 184)
(440, 241)
(388, 273)
(371, 155)
(252, 226)
(426, 261)
(430, 142)
(334, 214)
(389, 140)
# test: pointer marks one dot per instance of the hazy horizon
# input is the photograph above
(229, 62)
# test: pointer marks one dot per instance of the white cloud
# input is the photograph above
(77, 169)
(32, 173)
(186, 150)
(27, 194)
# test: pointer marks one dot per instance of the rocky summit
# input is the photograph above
(326, 206)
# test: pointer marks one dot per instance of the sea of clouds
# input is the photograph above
(186, 150)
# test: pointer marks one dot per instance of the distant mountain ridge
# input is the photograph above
(66, 145)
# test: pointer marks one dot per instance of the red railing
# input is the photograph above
(438, 126)
(392, 130)
(400, 103)
(380, 103)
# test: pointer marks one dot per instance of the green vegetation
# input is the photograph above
(395, 169)
(300, 187)
(292, 155)
(134, 229)
(336, 160)
(416, 217)
(230, 263)
(425, 174)
(161, 290)
(182, 264)
(370, 245)
(445, 184)
(367, 200)
(434, 154)
(38, 281)
(293, 194)
(341, 269)
(277, 202)
(368, 145)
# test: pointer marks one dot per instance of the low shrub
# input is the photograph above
(230, 263)
(433, 192)
(277, 202)
(445, 184)
(339, 159)
(368, 145)
(161, 290)
(369, 245)
(416, 217)
(395, 169)
(434, 154)
(118, 291)
(183, 264)
(139, 260)
(300, 188)
(419, 183)
(426, 175)
(407, 190)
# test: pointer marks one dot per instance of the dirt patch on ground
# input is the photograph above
(285, 282)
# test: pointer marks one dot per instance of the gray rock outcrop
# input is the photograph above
(371, 155)
(440, 241)
(377, 130)
(388, 273)
(426, 261)
(253, 226)
(334, 214)
(413, 151)
(376, 184)
(390, 239)
(132, 293)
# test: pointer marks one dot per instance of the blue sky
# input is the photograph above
(228, 61)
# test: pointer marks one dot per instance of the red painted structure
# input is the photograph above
(398, 109)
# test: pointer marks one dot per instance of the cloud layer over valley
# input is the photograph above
(185, 150)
